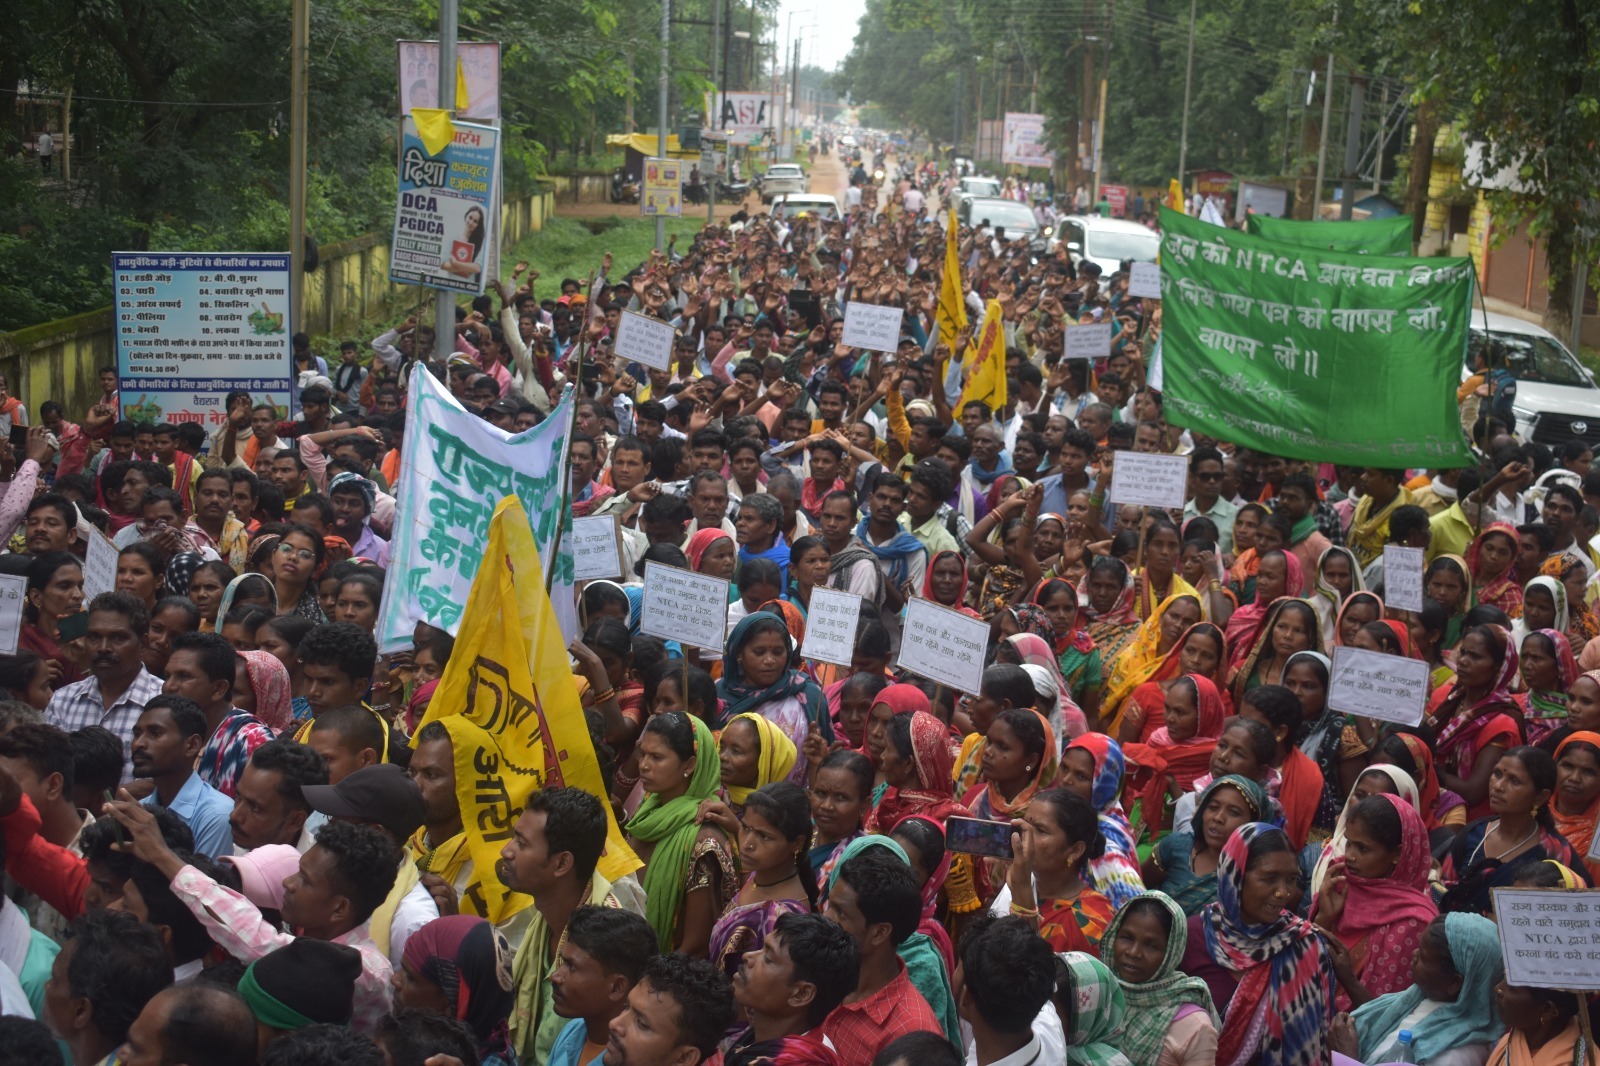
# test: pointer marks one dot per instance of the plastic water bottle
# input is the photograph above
(1404, 1040)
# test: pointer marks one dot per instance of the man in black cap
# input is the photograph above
(305, 982)
(383, 795)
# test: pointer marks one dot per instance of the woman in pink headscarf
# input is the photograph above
(1375, 899)
(269, 690)
(1277, 575)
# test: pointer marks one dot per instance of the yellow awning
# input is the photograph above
(646, 144)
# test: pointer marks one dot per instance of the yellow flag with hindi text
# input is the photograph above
(509, 677)
(985, 362)
(951, 312)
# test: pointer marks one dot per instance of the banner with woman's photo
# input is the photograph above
(445, 217)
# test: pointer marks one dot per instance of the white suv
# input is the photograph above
(1556, 399)
(782, 178)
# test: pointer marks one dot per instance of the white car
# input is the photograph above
(1556, 400)
(795, 204)
(970, 188)
(1106, 242)
(782, 178)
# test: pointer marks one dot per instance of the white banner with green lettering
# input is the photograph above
(454, 469)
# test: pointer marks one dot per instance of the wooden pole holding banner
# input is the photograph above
(566, 470)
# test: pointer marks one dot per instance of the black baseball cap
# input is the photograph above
(382, 794)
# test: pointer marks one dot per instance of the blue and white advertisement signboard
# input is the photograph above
(444, 219)
(193, 326)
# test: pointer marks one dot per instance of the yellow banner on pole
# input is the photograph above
(951, 312)
(509, 676)
(985, 362)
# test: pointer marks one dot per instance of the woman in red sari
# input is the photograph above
(1474, 716)
(1180, 750)
(1375, 900)
(1489, 561)
(1201, 651)
(945, 582)
(917, 765)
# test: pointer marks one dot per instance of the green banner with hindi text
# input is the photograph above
(1311, 354)
(1367, 236)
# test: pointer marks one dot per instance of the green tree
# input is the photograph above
(1524, 80)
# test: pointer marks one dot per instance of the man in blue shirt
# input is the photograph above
(167, 739)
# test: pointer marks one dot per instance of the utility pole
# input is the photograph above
(714, 117)
(1188, 80)
(1327, 117)
(1352, 147)
(299, 85)
(1100, 125)
(663, 86)
(444, 302)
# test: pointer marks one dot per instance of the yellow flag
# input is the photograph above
(985, 362)
(1175, 196)
(951, 313)
(509, 679)
(461, 86)
(434, 127)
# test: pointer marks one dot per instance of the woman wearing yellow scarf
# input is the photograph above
(753, 753)
(1140, 659)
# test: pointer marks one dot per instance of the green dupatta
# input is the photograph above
(672, 828)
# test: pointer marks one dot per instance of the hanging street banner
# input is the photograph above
(480, 68)
(1310, 354)
(1368, 236)
(454, 469)
(742, 117)
(1022, 141)
(444, 219)
(192, 327)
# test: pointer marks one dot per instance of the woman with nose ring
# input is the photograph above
(1270, 973)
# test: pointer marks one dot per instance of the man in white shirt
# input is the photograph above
(913, 201)
(852, 197)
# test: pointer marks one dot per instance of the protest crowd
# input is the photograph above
(235, 832)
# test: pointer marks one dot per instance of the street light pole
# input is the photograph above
(444, 302)
(1188, 79)
(662, 87)
(1327, 117)
(714, 117)
(299, 83)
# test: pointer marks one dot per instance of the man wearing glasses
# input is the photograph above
(1205, 482)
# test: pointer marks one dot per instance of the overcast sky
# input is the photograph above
(828, 27)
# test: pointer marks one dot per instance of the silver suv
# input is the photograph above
(782, 178)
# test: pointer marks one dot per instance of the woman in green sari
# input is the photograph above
(1184, 865)
(689, 875)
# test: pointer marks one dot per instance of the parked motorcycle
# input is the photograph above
(732, 191)
(624, 188)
